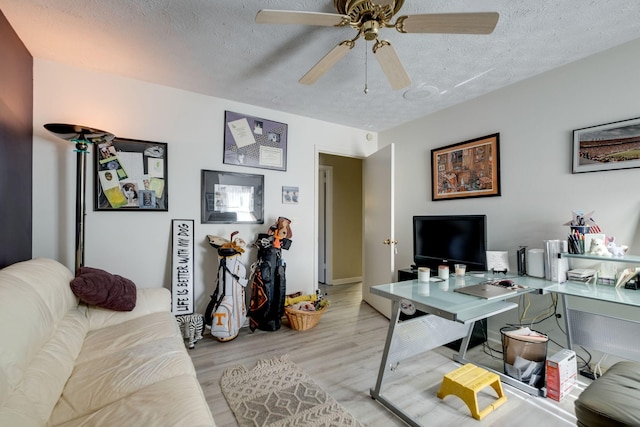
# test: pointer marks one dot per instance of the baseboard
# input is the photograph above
(494, 337)
(345, 281)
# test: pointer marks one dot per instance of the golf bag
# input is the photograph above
(226, 311)
(268, 290)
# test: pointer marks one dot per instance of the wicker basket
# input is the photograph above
(301, 320)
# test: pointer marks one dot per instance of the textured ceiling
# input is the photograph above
(214, 47)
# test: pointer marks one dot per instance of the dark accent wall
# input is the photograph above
(16, 146)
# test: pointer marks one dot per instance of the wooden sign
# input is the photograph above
(182, 298)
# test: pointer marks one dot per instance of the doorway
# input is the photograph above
(340, 213)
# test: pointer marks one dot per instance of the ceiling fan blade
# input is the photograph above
(449, 23)
(268, 16)
(391, 65)
(328, 61)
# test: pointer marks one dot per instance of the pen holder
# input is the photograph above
(576, 239)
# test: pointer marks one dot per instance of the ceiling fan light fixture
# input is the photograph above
(370, 30)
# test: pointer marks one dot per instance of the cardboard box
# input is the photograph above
(562, 370)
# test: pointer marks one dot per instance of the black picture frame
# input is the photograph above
(254, 142)
(466, 169)
(605, 147)
(131, 175)
(231, 198)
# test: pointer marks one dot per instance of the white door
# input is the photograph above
(379, 240)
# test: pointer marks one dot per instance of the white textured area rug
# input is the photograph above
(277, 393)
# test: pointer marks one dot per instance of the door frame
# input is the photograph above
(318, 149)
(325, 200)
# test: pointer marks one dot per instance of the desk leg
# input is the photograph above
(567, 323)
(395, 316)
(464, 346)
(375, 392)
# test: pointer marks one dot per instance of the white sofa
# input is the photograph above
(68, 364)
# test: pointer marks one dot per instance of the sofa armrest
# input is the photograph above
(148, 300)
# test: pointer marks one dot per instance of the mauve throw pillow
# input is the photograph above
(100, 288)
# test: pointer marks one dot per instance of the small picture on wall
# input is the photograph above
(290, 195)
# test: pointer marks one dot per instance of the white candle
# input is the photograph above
(443, 272)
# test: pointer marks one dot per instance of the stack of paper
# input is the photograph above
(581, 274)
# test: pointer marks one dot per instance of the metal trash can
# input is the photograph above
(524, 356)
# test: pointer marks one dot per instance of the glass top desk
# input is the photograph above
(450, 316)
(616, 335)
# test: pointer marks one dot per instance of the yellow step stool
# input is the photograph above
(466, 381)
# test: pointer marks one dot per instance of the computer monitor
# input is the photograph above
(450, 239)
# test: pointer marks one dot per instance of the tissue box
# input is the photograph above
(562, 370)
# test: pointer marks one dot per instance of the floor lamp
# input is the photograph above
(82, 136)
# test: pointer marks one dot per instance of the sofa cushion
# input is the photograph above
(126, 335)
(100, 288)
(41, 333)
(117, 362)
(611, 400)
(177, 402)
(149, 300)
(33, 398)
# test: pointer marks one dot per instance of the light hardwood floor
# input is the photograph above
(342, 354)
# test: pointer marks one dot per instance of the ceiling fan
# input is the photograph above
(368, 17)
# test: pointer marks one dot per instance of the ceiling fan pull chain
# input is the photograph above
(366, 77)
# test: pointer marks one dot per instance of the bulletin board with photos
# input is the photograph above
(131, 175)
(254, 142)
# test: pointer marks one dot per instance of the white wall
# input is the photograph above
(535, 119)
(137, 244)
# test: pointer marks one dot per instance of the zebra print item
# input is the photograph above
(191, 326)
